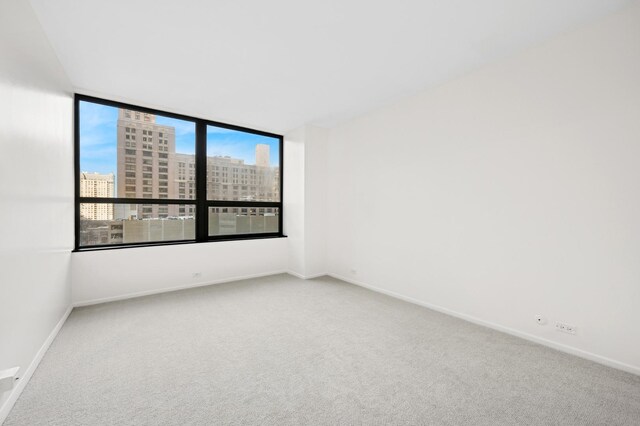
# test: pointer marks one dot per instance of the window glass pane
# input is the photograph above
(127, 153)
(243, 220)
(242, 166)
(121, 147)
(106, 223)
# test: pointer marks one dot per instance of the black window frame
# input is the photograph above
(200, 201)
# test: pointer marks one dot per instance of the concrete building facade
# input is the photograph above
(262, 155)
(145, 153)
(96, 185)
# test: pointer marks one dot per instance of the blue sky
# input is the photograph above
(240, 144)
(98, 124)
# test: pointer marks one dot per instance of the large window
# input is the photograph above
(151, 177)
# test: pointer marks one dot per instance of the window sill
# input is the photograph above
(178, 243)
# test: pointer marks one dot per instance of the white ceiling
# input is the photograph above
(275, 65)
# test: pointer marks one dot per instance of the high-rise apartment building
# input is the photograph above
(185, 182)
(96, 185)
(262, 155)
(229, 179)
(232, 179)
(146, 162)
(149, 167)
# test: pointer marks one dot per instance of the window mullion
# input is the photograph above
(202, 216)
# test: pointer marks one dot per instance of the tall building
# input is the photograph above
(185, 182)
(232, 179)
(228, 178)
(149, 167)
(146, 163)
(96, 185)
(262, 155)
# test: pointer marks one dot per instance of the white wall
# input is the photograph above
(510, 192)
(293, 199)
(100, 276)
(305, 200)
(315, 201)
(36, 186)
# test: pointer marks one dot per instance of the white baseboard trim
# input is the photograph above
(530, 337)
(24, 378)
(306, 277)
(170, 289)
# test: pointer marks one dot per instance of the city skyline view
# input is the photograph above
(98, 136)
(126, 153)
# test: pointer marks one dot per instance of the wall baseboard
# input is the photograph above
(530, 337)
(24, 378)
(170, 289)
(306, 277)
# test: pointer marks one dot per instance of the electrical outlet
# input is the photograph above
(565, 328)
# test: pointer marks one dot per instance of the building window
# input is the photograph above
(109, 197)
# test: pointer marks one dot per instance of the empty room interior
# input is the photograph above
(320, 213)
